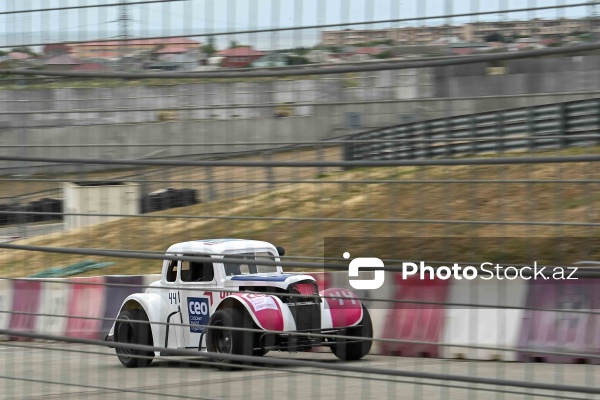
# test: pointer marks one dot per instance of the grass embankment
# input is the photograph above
(387, 202)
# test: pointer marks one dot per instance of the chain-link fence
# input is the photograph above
(430, 167)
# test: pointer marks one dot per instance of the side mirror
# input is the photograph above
(280, 250)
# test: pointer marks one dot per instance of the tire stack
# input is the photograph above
(168, 198)
(45, 205)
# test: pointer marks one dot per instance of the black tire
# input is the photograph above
(229, 341)
(349, 351)
(259, 352)
(130, 328)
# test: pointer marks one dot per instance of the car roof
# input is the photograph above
(220, 246)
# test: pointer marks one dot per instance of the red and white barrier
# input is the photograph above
(117, 289)
(416, 322)
(25, 306)
(54, 303)
(485, 327)
(6, 300)
(87, 300)
(559, 331)
(434, 330)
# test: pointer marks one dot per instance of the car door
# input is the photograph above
(196, 281)
(171, 295)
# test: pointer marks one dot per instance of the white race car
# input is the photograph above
(194, 303)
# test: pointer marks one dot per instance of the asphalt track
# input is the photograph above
(62, 371)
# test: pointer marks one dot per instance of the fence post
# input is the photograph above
(500, 132)
(598, 120)
(269, 170)
(449, 145)
(473, 133)
(426, 145)
(530, 128)
(211, 183)
(349, 150)
(562, 126)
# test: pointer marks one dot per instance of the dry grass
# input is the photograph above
(329, 204)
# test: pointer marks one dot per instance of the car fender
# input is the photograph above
(267, 312)
(156, 309)
(339, 308)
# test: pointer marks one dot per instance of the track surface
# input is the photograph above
(62, 371)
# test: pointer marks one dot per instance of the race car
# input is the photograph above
(240, 286)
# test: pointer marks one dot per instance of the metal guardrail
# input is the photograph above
(560, 125)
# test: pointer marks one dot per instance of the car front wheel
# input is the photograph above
(220, 340)
(349, 350)
(132, 327)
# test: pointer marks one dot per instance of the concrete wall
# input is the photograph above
(242, 100)
(87, 123)
(527, 76)
(208, 137)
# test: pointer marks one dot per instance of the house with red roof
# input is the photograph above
(118, 48)
(369, 51)
(91, 67)
(239, 57)
(172, 49)
(57, 49)
(65, 62)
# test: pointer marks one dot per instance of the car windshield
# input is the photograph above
(237, 268)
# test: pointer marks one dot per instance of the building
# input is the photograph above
(470, 32)
(174, 62)
(56, 49)
(239, 57)
(273, 59)
(61, 63)
(349, 37)
(91, 67)
(119, 48)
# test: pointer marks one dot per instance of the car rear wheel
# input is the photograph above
(221, 340)
(348, 350)
(132, 328)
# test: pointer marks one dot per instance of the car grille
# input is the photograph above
(307, 316)
(305, 310)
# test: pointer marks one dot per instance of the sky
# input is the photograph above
(187, 17)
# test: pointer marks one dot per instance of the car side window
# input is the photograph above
(172, 271)
(192, 271)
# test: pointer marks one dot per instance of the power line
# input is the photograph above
(330, 25)
(593, 13)
(86, 6)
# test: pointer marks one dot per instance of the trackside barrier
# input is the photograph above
(148, 279)
(485, 327)
(86, 301)
(377, 309)
(115, 295)
(26, 300)
(560, 331)
(6, 303)
(529, 332)
(323, 279)
(54, 301)
(550, 126)
(416, 322)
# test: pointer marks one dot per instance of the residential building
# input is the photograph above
(64, 62)
(120, 48)
(470, 32)
(174, 62)
(239, 57)
(350, 37)
(56, 49)
(91, 67)
(272, 59)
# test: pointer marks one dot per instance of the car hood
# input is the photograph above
(274, 280)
